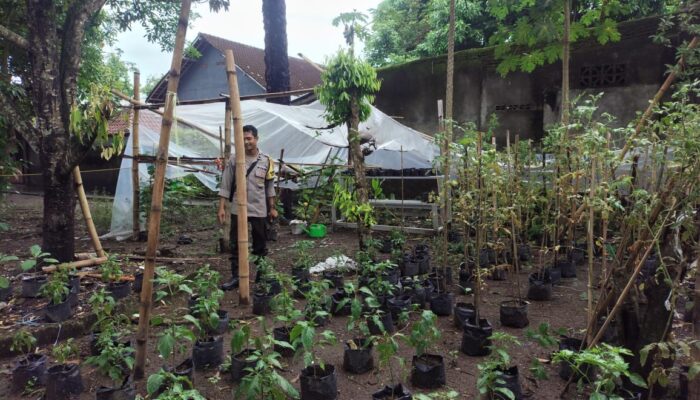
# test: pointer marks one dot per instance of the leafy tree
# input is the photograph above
(57, 106)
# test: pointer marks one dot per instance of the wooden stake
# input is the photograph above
(226, 245)
(135, 151)
(591, 196)
(477, 258)
(75, 264)
(86, 212)
(242, 194)
(514, 245)
(565, 57)
(157, 193)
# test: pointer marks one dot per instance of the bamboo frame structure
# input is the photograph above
(226, 245)
(157, 194)
(85, 207)
(242, 194)
(135, 151)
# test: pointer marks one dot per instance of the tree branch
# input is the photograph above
(14, 38)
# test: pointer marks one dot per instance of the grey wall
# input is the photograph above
(206, 79)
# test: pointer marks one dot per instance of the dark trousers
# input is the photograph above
(257, 230)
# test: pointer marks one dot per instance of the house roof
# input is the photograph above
(249, 59)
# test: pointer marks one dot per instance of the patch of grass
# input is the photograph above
(101, 211)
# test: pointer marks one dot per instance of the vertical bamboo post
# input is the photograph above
(447, 122)
(565, 57)
(226, 245)
(494, 198)
(591, 215)
(135, 151)
(85, 207)
(157, 193)
(477, 258)
(241, 195)
(514, 246)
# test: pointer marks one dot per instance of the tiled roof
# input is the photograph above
(251, 60)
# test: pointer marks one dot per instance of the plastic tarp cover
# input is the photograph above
(299, 130)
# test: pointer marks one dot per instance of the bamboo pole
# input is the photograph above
(565, 57)
(477, 258)
(226, 245)
(157, 193)
(591, 196)
(75, 264)
(514, 245)
(241, 194)
(85, 207)
(135, 151)
(449, 106)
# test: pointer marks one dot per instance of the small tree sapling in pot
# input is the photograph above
(428, 369)
(63, 379)
(318, 379)
(30, 367)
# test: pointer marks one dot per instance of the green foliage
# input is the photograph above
(303, 258)
(308, 343)
(111, 269)
(441, 395)
(37, 257)
(490, 379)
(102, 303)
(263, 381)
(56, 289)
(544, 336)
(172, 341)
(610, 367)
(173, 387)
(115, 359)
(64, 351)
(23, 341)
(351, 208)
(171, 281)
(346, 77)
(662, 353)
(424, 332)
(205, 310)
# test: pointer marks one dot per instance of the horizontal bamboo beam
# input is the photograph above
(75, 264)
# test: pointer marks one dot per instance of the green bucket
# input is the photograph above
(316, 230)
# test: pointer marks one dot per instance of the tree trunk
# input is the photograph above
(565, 65)
(358, 164)
(276, 58)
(58, 230)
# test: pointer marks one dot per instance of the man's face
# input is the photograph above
(249, 141)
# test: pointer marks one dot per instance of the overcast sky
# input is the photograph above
(309, 30)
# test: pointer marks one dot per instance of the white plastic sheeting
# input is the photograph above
(296, 129)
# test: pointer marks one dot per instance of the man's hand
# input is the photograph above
(272, 214)
(221, 214)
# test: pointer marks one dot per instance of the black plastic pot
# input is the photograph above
(73, 296)
(441, 303)
(119, 289)
(410, 267)
(565, 370)
(498, 274)
(208, 354)
(554, 274)
(423, 261)
(475, 338)
(513, 314)
(398, 304)
(6, 293)
(239, 365)
(335, 277)
(428, 371)
(421, 249)
(337, 299)
(261, 303)
(568, 269)
(185, 369)
(28, 368)
(282, 334)
(222, 327)
(446, 272)
(397, 392)
(138, 282)
(58, 312)
(511, 381)
(416, 293)
(392, 276)
(386, 321)
(127, 391)
(524, 252)
(462, 313)
(31, 285)
(487, 257)
(386, 246)
(540, 287)
(300, 274)
(318, 383)
(63, 381)
(577, 256)
(358, 360)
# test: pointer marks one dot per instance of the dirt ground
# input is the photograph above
(23, 214)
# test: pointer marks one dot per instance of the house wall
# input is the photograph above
(206, 79)
(527, 103)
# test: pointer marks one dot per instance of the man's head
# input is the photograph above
(250, 138)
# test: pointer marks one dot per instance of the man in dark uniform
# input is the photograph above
(261, 198)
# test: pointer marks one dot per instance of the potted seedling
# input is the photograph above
(57, 291)
(63, 380)
(318, 380)
(242, 347)
(413, 287)
(378, 319)
(110, 327)
(609, 368)
(303, 262)
(30, 367)
(208, 350)
(262, 381)
(357, 352)
(173, 343)
(169, 283)
(5, 284)
(166, 385)
(498, 379)
(285, 311)
(112, 274)
(266, 274)
(115, 361)
(318, 303)
(387, 349)
(428, 369)
(32, 281)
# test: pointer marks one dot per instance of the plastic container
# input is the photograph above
(316, 231)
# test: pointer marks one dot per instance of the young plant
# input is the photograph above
(265, 268)
(64, 351)
(4, 281)
(169, 280)
(262, 381)
(56, 289)
(111, 269)
(442, 395)
(206, 315)
(23, 342)
(241, 339)
(671, 351)
(283, 304)
(424, 333)
(103, 304)
(317, 300)
(115, 360)
(205, 281)
(609, 365)
(172, 341)
(37, 257)
(306, 342)
(387, 346)
(490, 382)
(303, 260)
(166, 385)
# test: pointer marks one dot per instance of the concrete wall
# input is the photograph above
(206, 79)
(527, 103)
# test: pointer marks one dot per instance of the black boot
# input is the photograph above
(230, 285)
